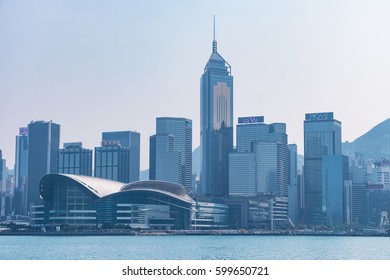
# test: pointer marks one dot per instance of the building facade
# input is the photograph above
(293, 187)
(74, 159)
(242, 174)
(88, 201)
(21, 172)
(262, 151)
(43, 146)
(131, 140)
(216, 129)
(322, 137)
(171, 151)
(2, 187)
(334, 194)
(164, 162)
(112, 162)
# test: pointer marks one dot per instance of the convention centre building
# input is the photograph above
(89, 201)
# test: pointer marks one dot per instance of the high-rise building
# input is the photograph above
(262, 150)
(43, 146)
(293, 188)
(164, 162)
(131, 140)
(112, 162)
(242, 174)
(171, 151)
(74, 159)
(334, 175)
(21, 171)
(216, 129)
(322, 137)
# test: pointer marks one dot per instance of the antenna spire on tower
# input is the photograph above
(214, 28)
(214, 42)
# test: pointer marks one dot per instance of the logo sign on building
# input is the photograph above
(250, 120)
(319, 116)
(23, 131)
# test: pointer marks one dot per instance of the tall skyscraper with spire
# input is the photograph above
(216, 128)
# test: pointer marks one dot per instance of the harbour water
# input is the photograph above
(194, 248)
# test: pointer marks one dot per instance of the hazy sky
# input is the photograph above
(94, 66)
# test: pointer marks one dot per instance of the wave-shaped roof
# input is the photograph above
(98, 186)
(168, 188)
(102, 187)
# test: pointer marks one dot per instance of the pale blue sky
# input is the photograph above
(95, 66)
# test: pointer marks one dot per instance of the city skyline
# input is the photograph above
(108, 59)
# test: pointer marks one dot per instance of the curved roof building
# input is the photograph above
(97, 186)
(83, 200)
(171, 189)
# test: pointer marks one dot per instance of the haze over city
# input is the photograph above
(94, 66)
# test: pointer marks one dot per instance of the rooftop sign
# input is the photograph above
(249, 120)
(319, 116)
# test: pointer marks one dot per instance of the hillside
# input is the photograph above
(373, 145)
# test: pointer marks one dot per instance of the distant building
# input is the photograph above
(74, 159)
(378, 202)
(334, 174)
(112, 162)
(210, 215)
(216, 128)
(131, 140)
(293, 188)
(2, 187)
(322, 137)
(379, 173)
(21, 172)
(44, 143)
(242, 174)
(171, 151)
(359, 204)
(164, 162)
(260, 164)
(1, 165)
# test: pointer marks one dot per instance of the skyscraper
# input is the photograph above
(262, 150)
(44, 143)
(322, 137)
(131, 140)
(334, 175)
(112, 161)
(21, 171)
(293, 189)
(164, 162)
(74, 159)
(171, 151)
(216, 128)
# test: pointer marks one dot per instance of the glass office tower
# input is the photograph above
(322, 137)
(74, 159)
(216, 131)
(267, 144)
(44, 143)
(21, 171)
(131, 140)
(112, 162)
(171, 151)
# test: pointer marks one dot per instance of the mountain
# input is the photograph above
(374, 144)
